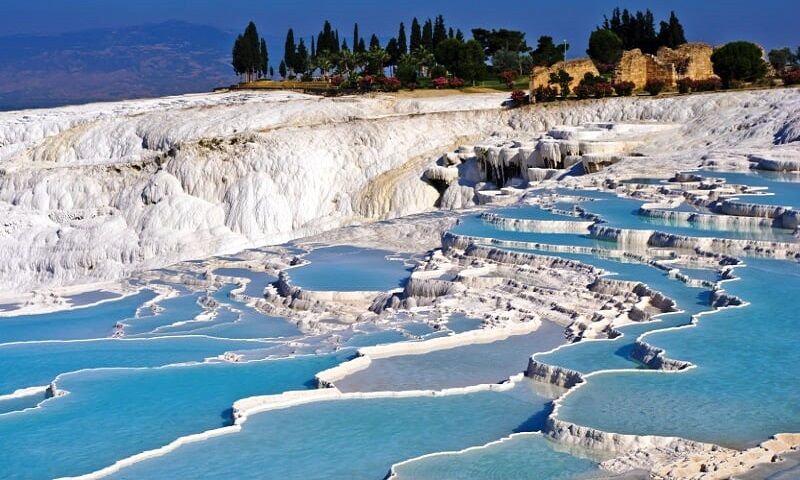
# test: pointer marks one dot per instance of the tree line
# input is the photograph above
(432, 50)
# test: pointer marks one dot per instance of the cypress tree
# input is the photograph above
(393, 50)
(301, 58)
(402, 45)
(439, 31)
(356, 38)
(345, 48)
(450, 33)
(289, 51)
(313, 48)
(427, 35)
(271, 73)
(361, 47)
(459, 35)
(671, 33)
(282, 69)
(264, 57)
(374, 43)
(416, 36)
(238, 60)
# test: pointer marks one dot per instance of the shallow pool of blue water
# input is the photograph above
(351, 438)
(455, 367)
(738, 395)
(528, 456)
(345, 268)
(96, 321)
(133, 410)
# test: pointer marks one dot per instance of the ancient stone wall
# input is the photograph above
(540, 76)
(690, 60)
(639, 68)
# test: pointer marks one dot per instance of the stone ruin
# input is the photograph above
(540, 76)
(690, 60)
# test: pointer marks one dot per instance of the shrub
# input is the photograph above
(544, 94)
(603, 89)
(738, 62)
(584, 90)
(562, 78)
(654, 87)
(508, 77)
(456, 82)
(407, 73)
(391, 84)
(519, 97)
(791, 77)
(336, 80)
(685, 85)
(366, 82)
(440, 82)
(624, 89)
(411, 86)
(438, 71)
(707, 85)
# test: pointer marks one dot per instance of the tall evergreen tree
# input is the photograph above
(459, 34)
(450, 33)
(345, 48)
(282, 69)
(671, 33)
(416, 36)
(313, 48)
(289, 50)
(301, 58)
(402, 44)
(374, 43)
(361, 46)
(394, 51)
(238, 61)
(357, 40)
(427, 35)
(271, 73)
(439, 31)
(264, 57)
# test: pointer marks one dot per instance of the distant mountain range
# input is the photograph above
(111, 64)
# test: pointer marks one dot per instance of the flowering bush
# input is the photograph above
(654, 87)
(624, 89)
(336, 80)
(544, 94)
(508, 77)
(440, 82)
(584, 91)
(390, 84)
(519, 97)
(791, 77)
(456, 82)
(603, 89)
(366, 82)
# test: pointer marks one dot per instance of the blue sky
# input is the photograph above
(770, 22)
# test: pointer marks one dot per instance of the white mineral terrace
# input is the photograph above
(106, 195)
